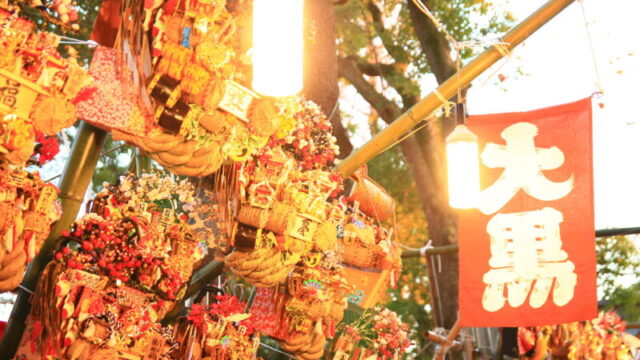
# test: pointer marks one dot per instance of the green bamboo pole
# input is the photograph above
(448, 89)
(75, 181)
(454, 247)
(201, 278)
(430, 251)
(142, 163)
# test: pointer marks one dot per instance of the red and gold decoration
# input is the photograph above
(39, 87)
(268, 200)
(221, 330)
(304, 311)
(198, 112)
(603, 338)
(117, 272)
(371, 257)
(37, 90)
(378, 334)
(527, 253)
(28, 207)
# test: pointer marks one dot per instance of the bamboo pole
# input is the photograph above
(199, 279)
(430, 251)
(142, 163)
(73, 185)
(448, 89)
(454, 247)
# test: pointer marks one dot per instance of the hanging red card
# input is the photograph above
(527, 252)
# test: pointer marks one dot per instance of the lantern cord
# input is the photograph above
(29, 291)
(425, 10)
(594, 59)
(422, 124)
(277, 350)
(422, 250)
(73, 41)
(333, 111)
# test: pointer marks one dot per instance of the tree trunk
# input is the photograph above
(321, 66)
(441, 219)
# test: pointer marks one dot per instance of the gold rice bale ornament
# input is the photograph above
(274, 219)
(360, 254)
(52, 114)
(325, 236)
(264, 117)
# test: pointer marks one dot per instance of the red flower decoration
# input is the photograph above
(47, 147)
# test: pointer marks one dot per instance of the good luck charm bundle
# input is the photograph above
(285, 235)
(313, 303)
(117, 272)
(370, 256)
(37, 91)
(377, 334)
(603, 338)
(28, 207)
(218, 331)
(283, 216)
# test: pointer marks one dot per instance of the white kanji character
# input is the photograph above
(523, 164)
(526, 252)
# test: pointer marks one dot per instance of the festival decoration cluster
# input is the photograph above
(38, 89)
(602, 338)
(117, 272)
(379, 332)
(262, 196)
(221, 330)
(200, 113)
(28, 207)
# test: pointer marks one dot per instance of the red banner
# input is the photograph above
(527, 252)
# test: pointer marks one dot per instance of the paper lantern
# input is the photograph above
(463, 168)
(277, 47)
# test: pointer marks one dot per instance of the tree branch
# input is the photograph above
(434, 44)
(371, 69)
(388, 110)
(393, 74)
(396, 51)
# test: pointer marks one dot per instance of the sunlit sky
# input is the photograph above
(556, 67)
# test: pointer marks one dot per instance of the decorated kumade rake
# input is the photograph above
(117, 272)
(217, 331)
(283, 213)
(196, 112)
(303, 311)
(28, 207)
(601, 338)
(370, 256)
(377, 334)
